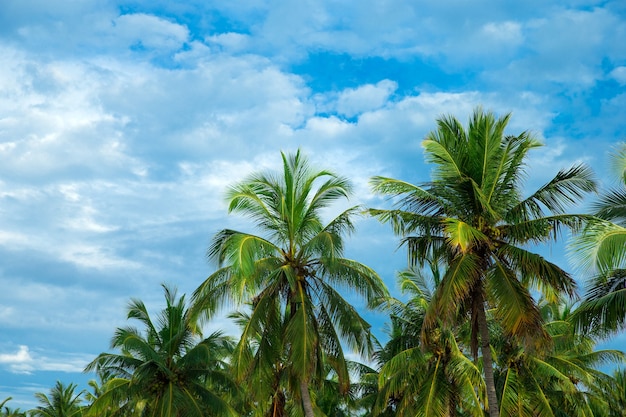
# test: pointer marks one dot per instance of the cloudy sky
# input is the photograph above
(122, 122)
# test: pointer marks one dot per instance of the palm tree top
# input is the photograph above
(287, 207)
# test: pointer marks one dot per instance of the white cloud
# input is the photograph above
(508, 34)
(23, 361)
(354, 101)
(324, 128)
(231, 41)
(17, 358)
(565, 48)
(619, 75)
(150, 31)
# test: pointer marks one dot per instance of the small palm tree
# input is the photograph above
(167, 370)
(63, 401)
(472, 218)
(6, 411)
(291, 273)
(430, 377)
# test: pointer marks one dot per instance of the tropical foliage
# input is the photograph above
(167, 370)
(472, 218)
(63, 401)
(601, 250)
(425, 376)
(483, 324)
(299, 323)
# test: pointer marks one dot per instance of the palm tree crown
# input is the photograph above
(472, 218)
(63, 401)
(291, 273)
(165, 371)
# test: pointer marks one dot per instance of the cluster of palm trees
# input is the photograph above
(485, 326)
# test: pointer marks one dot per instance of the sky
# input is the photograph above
(122, 123)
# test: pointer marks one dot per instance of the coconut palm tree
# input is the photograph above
(63, 401)
(601, 251)
(166, 370)
(563, 378)
(473, 218)
(291, 273)
(425, 377)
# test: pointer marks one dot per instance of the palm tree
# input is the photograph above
(258, 364)
(291, 274)
(601, 248)
(430, 377)
(6, 411)
(472, 217)
(167, 370)
(63, 401)
(563, 378)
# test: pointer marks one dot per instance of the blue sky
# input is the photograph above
(122, 122)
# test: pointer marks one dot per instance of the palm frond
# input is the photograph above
(567, 188)
(603, 309)
(517, 310)
(602, 245)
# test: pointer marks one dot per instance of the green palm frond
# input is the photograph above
(538, 273)
(457, 283)
(349, 325)
(603, 309)
(301, 331)
(413, 198)
(462, 235)
(166, 369)
(517, 310)
(618, 161)
(611, 206)
(601, 246)
(567, 188)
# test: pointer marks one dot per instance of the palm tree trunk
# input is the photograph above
(490, 384)
(307, 405)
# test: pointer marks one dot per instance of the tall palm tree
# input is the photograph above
(601, 250)
(292, 272)
(167, 370)
(63, 401)
(472, 217)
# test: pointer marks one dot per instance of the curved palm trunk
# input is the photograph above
(490, 384)
(307, 404)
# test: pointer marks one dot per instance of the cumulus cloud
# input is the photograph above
(25, 361)
(566, 49)
(619, 74)
(354, 101)
(149, 31)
